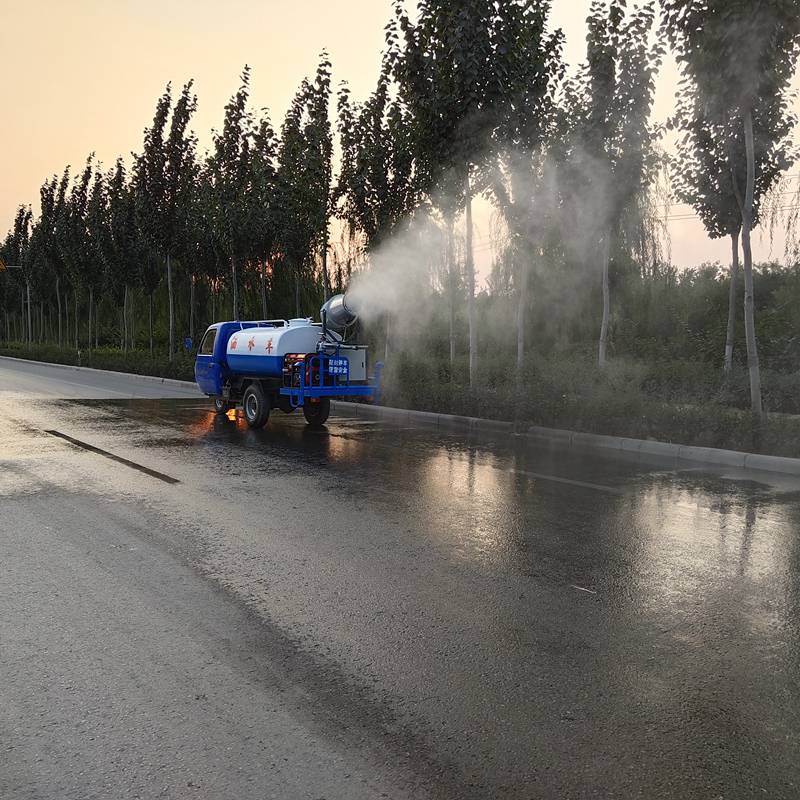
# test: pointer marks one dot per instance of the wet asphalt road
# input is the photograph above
(372, 611)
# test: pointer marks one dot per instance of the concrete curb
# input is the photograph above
(430, 419)
(594, 441)
(151, 378)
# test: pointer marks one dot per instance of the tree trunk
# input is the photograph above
(730, 335)
(451, 281)
(470, 270)
(150, 307)
(296, 293)
(30, 327)
(58, 300)
(522, 304)
(77, 340)
(171, 348)
(749, 316)
(89, 327)
(235, 286)
(603, 345)
(264, 291)
(150, 315)
(191, 308)
(130, 323)
(326, 283)
(124, 326)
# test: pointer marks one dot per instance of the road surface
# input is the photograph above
(191, 609)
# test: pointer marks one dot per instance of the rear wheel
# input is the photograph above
(221, 406)
(256, 406)
(317, 412)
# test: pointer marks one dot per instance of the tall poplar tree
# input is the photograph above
(97, 248)
(165, 179)
(376, 188)
(613, 155)
(319, 149)
(302, 194)
(519, 176)
(738, 58)
(123, 250)
(263, 204)
(454, 76)
(17, 251)
(229, 174)
(73, 237)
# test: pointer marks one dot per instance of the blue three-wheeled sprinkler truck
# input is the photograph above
(285, 364)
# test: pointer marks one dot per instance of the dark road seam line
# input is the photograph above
(119, 459)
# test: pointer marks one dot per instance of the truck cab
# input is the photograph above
(210, 366)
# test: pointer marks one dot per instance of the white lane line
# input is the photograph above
(569, 481)
(598, 487)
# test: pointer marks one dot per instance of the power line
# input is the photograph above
(681, 217)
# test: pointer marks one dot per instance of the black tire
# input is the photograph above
(221, 406)
(317, 413)
(256, 406)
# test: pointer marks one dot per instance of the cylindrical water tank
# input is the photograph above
(260, 351)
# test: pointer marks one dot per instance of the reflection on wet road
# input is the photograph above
(505, 621)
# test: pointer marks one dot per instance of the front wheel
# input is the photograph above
(317, 412)
(221, 406)
(256, 406)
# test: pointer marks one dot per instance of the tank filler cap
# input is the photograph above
(298, 321)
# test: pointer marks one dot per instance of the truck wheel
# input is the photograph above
(221, 406)
(256, 406)
(317, 412)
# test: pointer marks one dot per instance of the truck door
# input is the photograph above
(207, 371)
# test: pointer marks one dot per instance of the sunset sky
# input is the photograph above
(83, 76)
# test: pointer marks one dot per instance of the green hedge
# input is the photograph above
(138, 362)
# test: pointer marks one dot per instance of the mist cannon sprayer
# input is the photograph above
(337, 315)
(286, 364)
